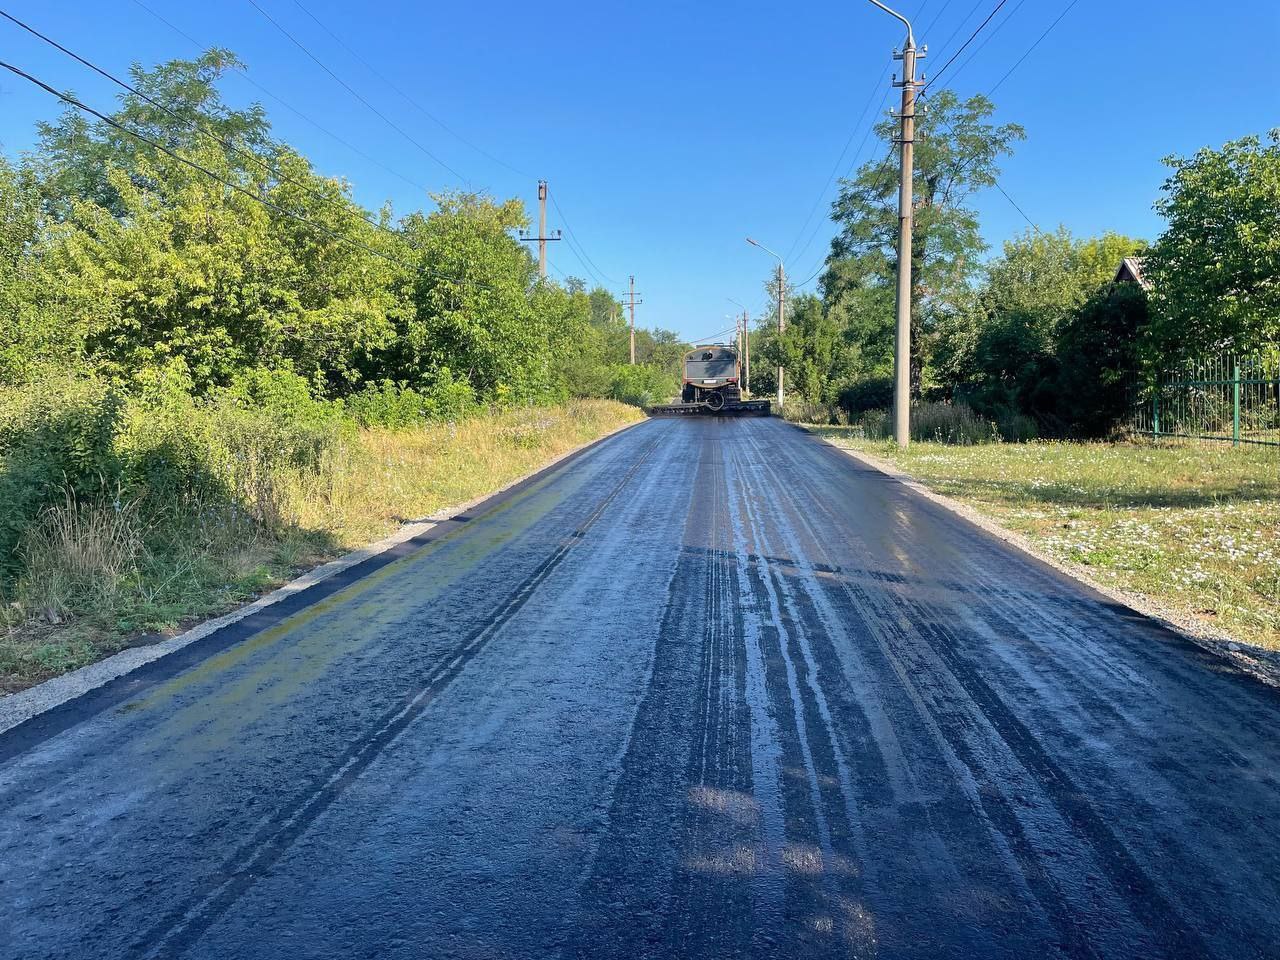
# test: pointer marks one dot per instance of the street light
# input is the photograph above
(782, 301)
(902, 331)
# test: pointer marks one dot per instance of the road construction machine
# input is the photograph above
(711, 384)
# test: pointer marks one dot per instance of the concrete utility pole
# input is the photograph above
(906, 217)
(631, 303)
(542, 236)
(746, 345)
(782, 302)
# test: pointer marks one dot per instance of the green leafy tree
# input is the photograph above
(29, 331)
(999, 346)
(956, 154)
(1215, 271)
(812, 350)
(1097, 355)
(75, 153)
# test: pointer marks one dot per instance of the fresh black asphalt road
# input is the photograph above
(711, 689)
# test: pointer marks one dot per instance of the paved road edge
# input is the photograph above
(1258, 661)
(18, 708)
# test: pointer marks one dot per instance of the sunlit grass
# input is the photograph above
(99, 577)
(1194, 527)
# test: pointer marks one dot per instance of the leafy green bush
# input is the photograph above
(872, 393)
(388, 404)
(952, 423)
(56, 437)
(640, 385)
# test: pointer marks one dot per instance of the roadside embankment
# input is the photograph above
(1191, 530)
(94, 576)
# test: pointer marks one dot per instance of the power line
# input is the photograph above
(423, 110)
(959, 26)
(952, 58)
(288, 106)
(839, 160)
(1018, 208)
(351, 90)
(936, 17)
(227, 145)
(987, 39)
(1047, 31)
(604, 279)
(857, 153)
(69, 99)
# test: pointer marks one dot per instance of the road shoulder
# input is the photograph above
(1258, 661)
(29, 705)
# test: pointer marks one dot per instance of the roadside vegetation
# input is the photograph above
(1037, 338)
(217, 368)
(1193, 527)
(237, 507)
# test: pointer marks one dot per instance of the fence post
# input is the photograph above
(1155, 411)
(1235, 405)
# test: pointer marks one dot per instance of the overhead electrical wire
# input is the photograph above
(227, 145)
(952, 58)
(1047, 31)
(836, 166)
(987, 39)
(351, 90)
(605, 279)
(288, 106)
(423, 110)
(79, 105)
(580, 251)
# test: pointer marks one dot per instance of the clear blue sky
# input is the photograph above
(670, 131)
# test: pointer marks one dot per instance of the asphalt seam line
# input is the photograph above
(17, 708)
(1257, 661)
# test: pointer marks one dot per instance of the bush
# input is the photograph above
(798, 410)
(952, 423)
(55, 437)
(640, 385)
(1098, 358)
(874, 393)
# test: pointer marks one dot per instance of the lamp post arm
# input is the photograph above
(911, 40)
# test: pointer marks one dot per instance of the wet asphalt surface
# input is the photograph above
(712, 689)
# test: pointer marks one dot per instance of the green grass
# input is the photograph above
(1194, 527)
(99, 578)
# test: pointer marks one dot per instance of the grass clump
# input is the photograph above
(128, 514)
(1193, 527)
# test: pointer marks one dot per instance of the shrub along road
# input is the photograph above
(711, 689)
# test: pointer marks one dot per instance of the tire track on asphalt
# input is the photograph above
(184, 925)
(889, 632)
(834, 874)
(1131, 883)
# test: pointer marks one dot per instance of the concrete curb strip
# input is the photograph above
(1258, 661)
(17, 708)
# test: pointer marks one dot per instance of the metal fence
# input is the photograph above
(1230, 399)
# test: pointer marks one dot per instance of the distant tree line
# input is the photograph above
(191, 316)
(226, 252)
(1037, 339)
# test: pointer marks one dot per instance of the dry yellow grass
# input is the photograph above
(391, 476)
(209, 561)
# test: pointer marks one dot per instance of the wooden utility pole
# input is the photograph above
(746, 353)
(542, 236)
(631, 303)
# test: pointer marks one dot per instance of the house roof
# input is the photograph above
(1130, 271)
